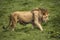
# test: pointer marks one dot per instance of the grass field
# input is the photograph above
(51, 29)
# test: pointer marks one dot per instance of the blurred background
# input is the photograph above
(51, 29)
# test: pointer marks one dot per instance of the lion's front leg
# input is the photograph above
(33, 25)
(39, 26)
(37, 22)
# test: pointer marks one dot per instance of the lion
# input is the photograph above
(35, 17)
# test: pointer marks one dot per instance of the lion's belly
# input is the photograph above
(27, 17)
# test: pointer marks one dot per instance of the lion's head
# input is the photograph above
(43, 14)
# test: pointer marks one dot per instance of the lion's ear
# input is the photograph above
(43, 11)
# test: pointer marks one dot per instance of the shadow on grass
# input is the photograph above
(25, 29)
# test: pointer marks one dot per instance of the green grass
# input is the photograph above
(51, 29)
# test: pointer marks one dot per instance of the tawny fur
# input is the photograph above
(35, 17)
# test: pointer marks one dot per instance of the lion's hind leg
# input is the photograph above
(13, 25)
